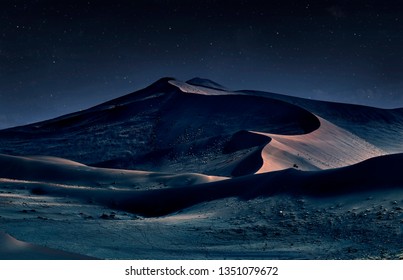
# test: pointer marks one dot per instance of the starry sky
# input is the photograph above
(58, 57)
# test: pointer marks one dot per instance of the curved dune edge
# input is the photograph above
(13, 249)
(327, 147)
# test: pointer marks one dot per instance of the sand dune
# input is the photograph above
(194, 170)
(159, 129)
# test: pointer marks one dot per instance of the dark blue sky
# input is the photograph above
(58, 57)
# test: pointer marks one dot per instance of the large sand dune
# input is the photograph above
(158, 129)
(194, 170)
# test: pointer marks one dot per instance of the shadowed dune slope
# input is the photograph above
(244, 140)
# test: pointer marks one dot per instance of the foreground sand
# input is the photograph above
(360, 225)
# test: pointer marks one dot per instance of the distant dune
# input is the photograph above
(269, 169)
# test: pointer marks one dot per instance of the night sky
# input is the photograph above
(58, 57)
